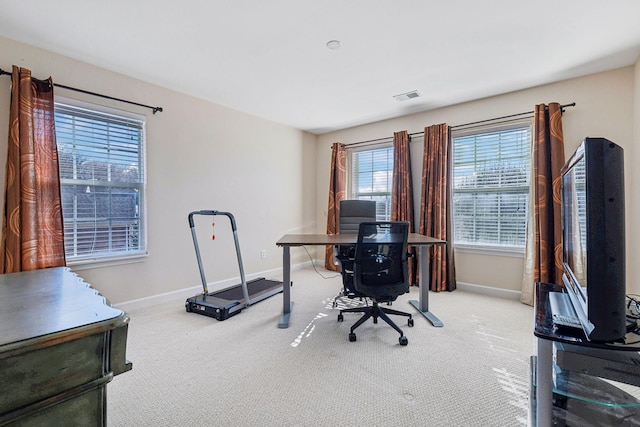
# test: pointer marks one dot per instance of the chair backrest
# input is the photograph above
(353, 212)
(380, 268)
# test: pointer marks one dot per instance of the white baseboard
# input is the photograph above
(488, 290)
(179, 296)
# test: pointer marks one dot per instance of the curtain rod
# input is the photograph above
(154, 109)
(374, 141)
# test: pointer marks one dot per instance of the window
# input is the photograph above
(491, 186)
(372, 177)
(102, 182)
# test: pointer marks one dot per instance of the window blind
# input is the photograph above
(102, 182)
(491, 171)
(372, 178)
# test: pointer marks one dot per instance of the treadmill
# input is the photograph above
(230, 301)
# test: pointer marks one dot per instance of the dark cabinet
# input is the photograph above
(60, 344)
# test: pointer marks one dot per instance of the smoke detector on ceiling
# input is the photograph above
(334, 44)
(407, 95)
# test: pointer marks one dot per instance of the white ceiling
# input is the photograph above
(269, 58)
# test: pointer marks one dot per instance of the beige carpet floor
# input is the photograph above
(190, 369)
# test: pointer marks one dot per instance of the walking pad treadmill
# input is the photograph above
(230, 301)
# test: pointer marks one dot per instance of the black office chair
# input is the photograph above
(352, 213)
(380, 272)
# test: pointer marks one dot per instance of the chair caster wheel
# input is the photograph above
(410, 323)
(340, 317)
(403, 340)
(352, 337)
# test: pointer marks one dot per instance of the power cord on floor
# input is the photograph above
(633, 306)
(316, 270)
(633, 315)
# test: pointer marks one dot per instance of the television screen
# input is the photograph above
(575, 225)
(594, 237)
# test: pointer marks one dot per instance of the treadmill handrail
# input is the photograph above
(213, 213)
(245, 291)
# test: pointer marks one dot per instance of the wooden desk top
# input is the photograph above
(51, 306)
(415, 239)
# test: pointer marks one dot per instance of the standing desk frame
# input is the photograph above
(423, 243)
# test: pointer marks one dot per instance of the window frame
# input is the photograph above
(486, 248)
(115, 258)
(351, 151)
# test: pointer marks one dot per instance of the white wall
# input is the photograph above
(604, 107)
(199, 156)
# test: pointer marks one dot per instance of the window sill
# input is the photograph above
(89, 263)
(504, 251)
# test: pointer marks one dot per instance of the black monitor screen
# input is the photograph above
(575, 225)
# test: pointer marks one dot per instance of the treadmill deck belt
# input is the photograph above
(255, 287)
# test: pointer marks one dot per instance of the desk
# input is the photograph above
(615, 360)
(60, 344)
(416, 240)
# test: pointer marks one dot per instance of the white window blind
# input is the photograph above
(372, 177)
(491, 186)
(102, 182)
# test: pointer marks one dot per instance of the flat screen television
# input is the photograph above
(593, 222)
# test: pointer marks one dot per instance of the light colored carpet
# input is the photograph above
(190, 369)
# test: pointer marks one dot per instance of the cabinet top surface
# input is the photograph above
(48, 303)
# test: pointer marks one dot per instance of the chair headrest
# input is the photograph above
(362, 208)
(353, 212)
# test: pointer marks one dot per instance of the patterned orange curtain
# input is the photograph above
(337, 192)
(402, 190)
(544, 238)
(436, 213)
(32, 229)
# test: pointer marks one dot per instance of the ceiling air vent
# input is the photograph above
(407, 95)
